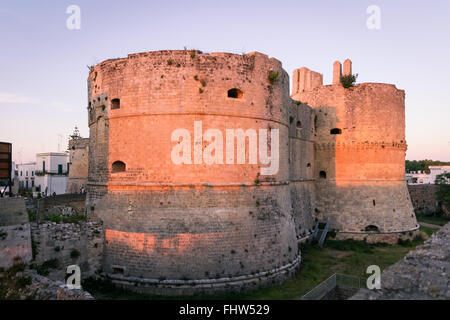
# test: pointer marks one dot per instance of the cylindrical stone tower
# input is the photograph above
(182, 227)
(360, 160)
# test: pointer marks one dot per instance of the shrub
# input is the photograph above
(404, 243)
(74, 253)
(18, 266)
(51, 264)
(44, 268)
(23, 281)
(31, 215)
(348, 80)
(273, 77)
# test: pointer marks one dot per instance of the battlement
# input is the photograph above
(305, 79)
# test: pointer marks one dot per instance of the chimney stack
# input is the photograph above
(337, 72)
(347, 67)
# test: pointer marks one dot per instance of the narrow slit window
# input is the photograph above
(299, 129)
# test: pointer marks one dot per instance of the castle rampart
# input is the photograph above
(359, 156)
(78, 172)
(197, 222)
(187, 205)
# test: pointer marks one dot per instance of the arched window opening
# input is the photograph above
(115, 104)
(335, 131)
(323, 174)
(235, 93)
(308, 165)
(372, 228)
(299, 129)
(118, 166)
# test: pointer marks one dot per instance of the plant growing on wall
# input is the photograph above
(273, 77)
(74, 253)
(348, 80)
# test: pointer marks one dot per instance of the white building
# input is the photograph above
(52, 170)
(26, 174)
(421, 177)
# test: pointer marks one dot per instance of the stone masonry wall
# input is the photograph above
(14, 231)
(78, 157)
(359, 157)
(43, 288)
(13, 211)
(301, 167)
(59, 240)
(199, 221)
(423, 198)
(15, 241)
(423, 274)
(74, 200)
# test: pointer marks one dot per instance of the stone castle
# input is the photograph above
(173, 228)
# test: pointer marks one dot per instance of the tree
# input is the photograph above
(443, 193)
(423, 165)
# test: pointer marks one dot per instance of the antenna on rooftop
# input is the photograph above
(59, 142)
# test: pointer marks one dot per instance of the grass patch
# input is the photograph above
(437, 220)
(429, 231)
(31, 215)
(74, 218)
